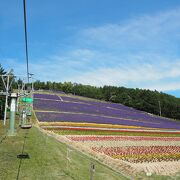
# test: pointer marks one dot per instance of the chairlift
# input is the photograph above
(26, 113)
(24, 125)
(26, 108)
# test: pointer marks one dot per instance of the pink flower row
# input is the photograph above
(137, 150)
(122, 138)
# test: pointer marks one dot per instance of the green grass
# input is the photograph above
(91, 132)
(47, 159)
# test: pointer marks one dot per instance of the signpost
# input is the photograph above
(27, 100)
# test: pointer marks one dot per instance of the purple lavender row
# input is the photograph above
(66, 117)
(56, 91)
(46, 96)
(98, 103)
(97, 108)
(83, 108)
(75, 107)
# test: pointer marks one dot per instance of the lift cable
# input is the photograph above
(26, 40)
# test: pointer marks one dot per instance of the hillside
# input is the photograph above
(145, 100)
(128, 140)
(77, 110)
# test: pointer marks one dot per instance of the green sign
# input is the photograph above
(27, 100)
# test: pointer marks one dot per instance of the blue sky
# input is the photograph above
(131, 43)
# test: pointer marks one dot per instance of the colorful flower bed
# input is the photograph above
(120, 132)
(142, 153)
(122, 138)
(134, 149)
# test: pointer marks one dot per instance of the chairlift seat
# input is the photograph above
(26, 126)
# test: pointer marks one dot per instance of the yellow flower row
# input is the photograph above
(90, 125)
(148, 157)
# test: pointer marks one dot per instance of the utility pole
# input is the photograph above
(31, 76)
(7, 85)
(6, 102)
(159, 108)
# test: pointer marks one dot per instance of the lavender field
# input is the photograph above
(53, 108)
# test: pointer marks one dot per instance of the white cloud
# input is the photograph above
(144, 31)
(164, 86)
(141, 52)
(147, 76)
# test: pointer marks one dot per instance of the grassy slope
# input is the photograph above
(47, 159)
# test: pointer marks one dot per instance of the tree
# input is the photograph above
(2, 72)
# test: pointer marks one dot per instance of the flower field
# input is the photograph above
(125, 137)
(149, 153)
(142, 153)
(56, 108)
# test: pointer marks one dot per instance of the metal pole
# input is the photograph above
(159, 108)
(67, 158)
(12, 130)
(18, 88)
(6, 102)
(92, 170)
(23, 118)
(32, 85)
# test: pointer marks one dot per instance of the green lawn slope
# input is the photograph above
(48, 159)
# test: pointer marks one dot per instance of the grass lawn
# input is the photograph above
(48, 159)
